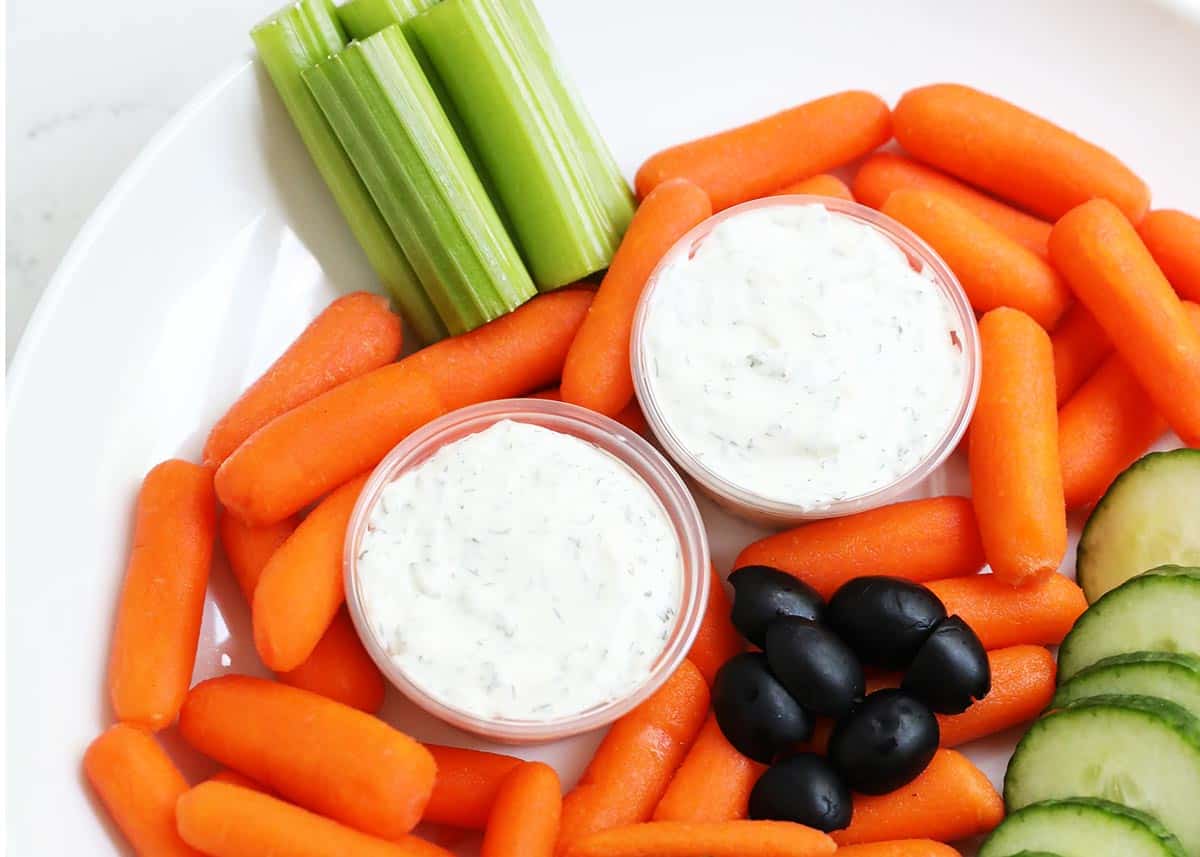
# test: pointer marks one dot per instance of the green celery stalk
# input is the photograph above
(388, 119)
(364, 18)
(556, 180)
(291, 41)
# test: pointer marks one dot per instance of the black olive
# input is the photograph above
(758, 717)
(763, 594)
(814, 665)
(885, 742)
(885, 620)
(803, 789)
(951, 670)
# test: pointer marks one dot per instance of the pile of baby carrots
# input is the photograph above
(1090, 351)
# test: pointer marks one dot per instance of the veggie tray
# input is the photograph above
(222, 244)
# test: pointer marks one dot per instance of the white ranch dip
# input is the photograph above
(797, 355)
(522, 574)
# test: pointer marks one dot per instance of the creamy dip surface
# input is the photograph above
(797, 355)
(520, 573)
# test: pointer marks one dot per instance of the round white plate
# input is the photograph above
(220, 243)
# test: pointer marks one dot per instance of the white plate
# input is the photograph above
(219, 244)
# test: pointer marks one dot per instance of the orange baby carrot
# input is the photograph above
(1013, 454)
(1080, 346)
(1173, 239)
(994, 269)
(138, 785)
(631, 417)
(752, 160)
(949, 801)
(224, 820)
(1003, 615)
(325, 756)
(712, 784)
(466, 786)
(353, 335)
(717, 640)
(233, 778)
(886, 172)
(248, 548)
(524, 818)
(1022, 686)
(819, 185)
(162, 599)
(706, 839)
(918, 540)
(597, 373)
(1113, 274)
(899, 848)
(340, 668)
(1011, 152)
(307, 452)
(301, 589)
(637, 758)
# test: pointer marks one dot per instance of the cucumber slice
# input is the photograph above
(1149, 516)
(1135, 750)
(1036, 854)
(1080, 827)
(1158, 611)
(1167, 675)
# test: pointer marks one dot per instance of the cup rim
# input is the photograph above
(745, 502)
(624, 444)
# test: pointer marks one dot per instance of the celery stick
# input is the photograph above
(383, 110)
(555, 178)
(295, 39)
(364, 18)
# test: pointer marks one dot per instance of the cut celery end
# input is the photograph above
(291, 41)
(390, 123)
(555, 178)
(364, 18)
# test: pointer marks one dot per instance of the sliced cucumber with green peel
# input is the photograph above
(1149, 516)
(1035, 854)
(1158, 611)
(1167, 675)
(1080, 827)
(1135, 750)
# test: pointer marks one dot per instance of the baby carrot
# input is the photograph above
(225, 820)
(1080, 346)
(340, 668)
(597, 373)
(162, 600)
(325, 756)
(466, 786)
(631, 417)
(899, 848)
(312, 449)
(752, 160)
(820, 185)
(918, 540)
(1013, 153)
(1003, 615)
(353, 335)
(1013, 451)
(637, 758)
(886, 172)
(1022, 686)
(712, 784)
(706, 839)
(524, 818)
(1173, 239)
(994, 269)
(138, 785)
(949, 801)
(233, 778)
(1113, 274)
(717, 640)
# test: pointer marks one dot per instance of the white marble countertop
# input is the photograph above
(89, 83)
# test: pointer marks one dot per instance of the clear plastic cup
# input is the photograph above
(612, 437)
(745, 502)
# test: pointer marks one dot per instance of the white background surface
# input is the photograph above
(89, 82)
